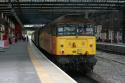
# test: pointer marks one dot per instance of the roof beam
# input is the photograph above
(69, 2)
(64, 4)
(14, 14)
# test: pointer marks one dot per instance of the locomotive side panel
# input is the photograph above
(47, 42)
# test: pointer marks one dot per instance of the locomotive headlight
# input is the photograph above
(91, 45)
(73, 45)
(62, 49)
(62, 45)
(86, 53)
(62, 52)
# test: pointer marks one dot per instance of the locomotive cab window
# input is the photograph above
(66, 30)
(80, 29)
(60, 31)
(86, 29)
(69, 30)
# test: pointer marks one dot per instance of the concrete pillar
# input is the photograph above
(18, 31)
(123, 30)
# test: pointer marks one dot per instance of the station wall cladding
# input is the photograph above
(112, 26)
(18, 31)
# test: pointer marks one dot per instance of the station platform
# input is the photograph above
(24, 63)
(111, 47)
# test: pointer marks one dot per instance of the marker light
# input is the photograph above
(86, 53)
(74, 45)
(91, 45)
(62, 52)
(62, 46)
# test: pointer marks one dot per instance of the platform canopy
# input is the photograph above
(43, 11)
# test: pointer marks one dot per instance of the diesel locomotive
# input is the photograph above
(69, 41)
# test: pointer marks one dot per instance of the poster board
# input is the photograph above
(1, 44)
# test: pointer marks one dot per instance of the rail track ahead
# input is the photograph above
(87, 78)
(111, 58)
(80, 78)
(123, 63)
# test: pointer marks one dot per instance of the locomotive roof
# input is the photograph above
(72, 19)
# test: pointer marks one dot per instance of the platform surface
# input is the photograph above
(16, 66)
(47, 71)
(24, 63)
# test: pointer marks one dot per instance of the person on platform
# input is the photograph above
(27, 38)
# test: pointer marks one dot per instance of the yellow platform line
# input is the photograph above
(41, 72)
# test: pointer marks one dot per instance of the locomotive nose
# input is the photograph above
(73, 45)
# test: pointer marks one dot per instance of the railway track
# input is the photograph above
(87, 78)
(123, 63)
(80, 78)
(111, 52)
(110, 58)
(97, 77)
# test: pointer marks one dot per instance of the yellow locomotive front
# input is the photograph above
(77, 39)
(70, 42)
(76, 46)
